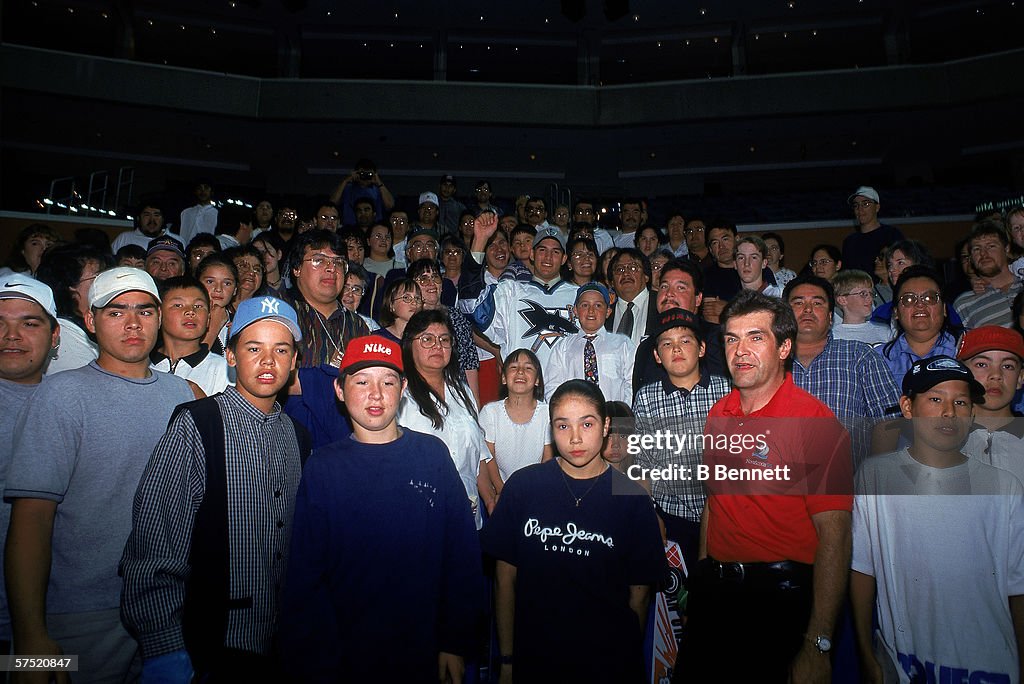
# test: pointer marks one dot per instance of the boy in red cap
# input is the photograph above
(384, 579)
(995, 356)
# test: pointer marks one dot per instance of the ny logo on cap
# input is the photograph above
(270, 305)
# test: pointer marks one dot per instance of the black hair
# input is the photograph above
(523, 228)
(203, 240)
(833, 252)
(94, 237)
(587, 391)
(230, 217)
(314, 239)
(752, 301)
(271, 238)
(130, 251)
(217, 259)
(630, 252)
(721, 224)
(913, 250)
(538, 390)
(689, 267)
(421, 266)
(622, 418)
(419, 389)
(359, 272)
(182, 282)
(363, 200)
(811, 279)
(61, 268)
(356, 234)
(16, 261)
(909, 273)
(396, 289)
(391, 234)
(365, 163)
(589, 245)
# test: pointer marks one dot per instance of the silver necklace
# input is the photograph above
(578, 499)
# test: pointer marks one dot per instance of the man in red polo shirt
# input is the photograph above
(775, 533)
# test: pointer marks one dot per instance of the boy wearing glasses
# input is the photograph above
(853, 299)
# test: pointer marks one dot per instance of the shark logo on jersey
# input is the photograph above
(546, 323)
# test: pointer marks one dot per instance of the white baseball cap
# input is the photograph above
(429, 197)
(116, 281)
(864, 191)
(21, 286)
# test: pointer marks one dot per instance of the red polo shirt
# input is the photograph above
(807, 450)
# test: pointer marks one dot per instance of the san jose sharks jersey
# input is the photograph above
(515, 315)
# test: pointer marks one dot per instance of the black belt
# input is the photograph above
(780, 574)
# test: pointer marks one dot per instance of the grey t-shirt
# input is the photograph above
(12, 397)
(83, 440)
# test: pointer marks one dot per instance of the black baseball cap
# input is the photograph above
(928, 373)
(677, 318)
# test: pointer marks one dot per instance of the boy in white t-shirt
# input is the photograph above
(854, 290)
(995, 356)
(938, 546)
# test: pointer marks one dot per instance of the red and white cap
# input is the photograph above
(369, 351)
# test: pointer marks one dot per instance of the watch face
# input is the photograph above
(824, 644)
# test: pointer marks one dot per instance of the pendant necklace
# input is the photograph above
(338, 354)
(578, 499)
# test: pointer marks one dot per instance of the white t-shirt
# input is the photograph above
(946, 548)
(867, 332)
(516, 445)
(461, 433)
(1003, 448)
(75, 350)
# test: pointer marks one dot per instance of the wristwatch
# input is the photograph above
(822, 643)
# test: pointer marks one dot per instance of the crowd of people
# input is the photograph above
(339, 443)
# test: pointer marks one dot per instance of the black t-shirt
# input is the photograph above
(575, 566)
(860, 249)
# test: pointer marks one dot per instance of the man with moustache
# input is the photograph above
(76, 461)
(211, 523)
(990, 256)
(149, 224)
(632, 313)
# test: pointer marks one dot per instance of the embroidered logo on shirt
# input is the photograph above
(546, 323)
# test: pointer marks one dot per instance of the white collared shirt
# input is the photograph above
(640, 304)
(615, 357)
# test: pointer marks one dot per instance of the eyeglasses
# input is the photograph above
(863, 204)
(87, 279)
(580, 256)
(429, 341)
(289, 215)
(656, 268)
(420, 247)
(691, 231)
(452, 252)
(427, 278)
(408, 299)
(863, 294)
(381, 236)
(534, 210)
(247, 268)
(318, 261)
(399, 220)
(631, 268)
(357, 290)
(327, 217)
(813, 263)
(911, 299)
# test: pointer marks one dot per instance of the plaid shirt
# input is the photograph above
(263, 470)
(853, 380)
(316, 348)
(662, 406)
